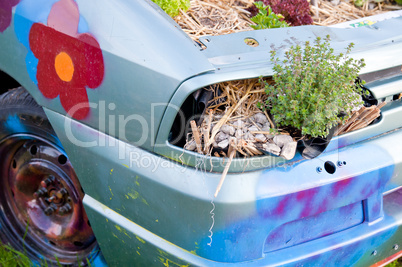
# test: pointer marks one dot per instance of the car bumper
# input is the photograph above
(148, 209)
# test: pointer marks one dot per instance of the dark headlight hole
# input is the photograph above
(330, 167)
(62, 159)
(33, 150)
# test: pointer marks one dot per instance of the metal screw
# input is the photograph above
(50, 180)
(49, 210)
(374, 253)
(319, 169)
(396, 247)
(65, 209)
(51, 199)
(340, 163)
(61, 193)
(41, 192)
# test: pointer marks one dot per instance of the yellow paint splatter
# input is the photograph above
(144, 201)
(193, 252)
(127, 196)
(110, 189)
(166, 262)
(156, 220)
(138, 253)
(118, 228)
(133, 194)
(140, 239)
(111, 171)
(107, 220)
(125, 165)
(136, 180)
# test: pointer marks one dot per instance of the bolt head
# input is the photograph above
(319, 169)
(396, 247)
(374, 253)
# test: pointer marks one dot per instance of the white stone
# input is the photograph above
(227, 129)
(289, 150)
(239, 123)
(260, 118)
(272, 148)
(260, 138)
(249, 137)
(239, 134)
(282, 139)
(253, 129)
(224, 144)
(220, 136)
(265, 127)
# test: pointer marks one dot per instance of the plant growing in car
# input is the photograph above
(313, 86)
(172, 7)
(266, 18)
(295, 12)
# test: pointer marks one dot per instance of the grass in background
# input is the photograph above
(395, 263)
(12, 258)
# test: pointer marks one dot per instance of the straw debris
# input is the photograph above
(233, 125)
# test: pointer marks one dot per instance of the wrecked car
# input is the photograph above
(93, 165)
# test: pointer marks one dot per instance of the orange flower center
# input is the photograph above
(64, 67)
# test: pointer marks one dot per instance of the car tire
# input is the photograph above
(41, 210)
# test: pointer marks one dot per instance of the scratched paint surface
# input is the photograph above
(280, 221)
(61, 60)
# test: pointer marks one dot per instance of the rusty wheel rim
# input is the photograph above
(42, 200)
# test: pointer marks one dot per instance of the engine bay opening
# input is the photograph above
(230, 118)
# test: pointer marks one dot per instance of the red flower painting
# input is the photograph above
(6, 13)
(68, 62)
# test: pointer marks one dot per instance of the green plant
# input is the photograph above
(359, 3)
(295, 12)
(172, 7)
(266, 18)
(12, 258)
(312, 87)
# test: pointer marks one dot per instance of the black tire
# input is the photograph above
(41, 211)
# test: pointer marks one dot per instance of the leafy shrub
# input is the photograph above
(172, 7)
(312, 87)
(296, 12)
(265, 18)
